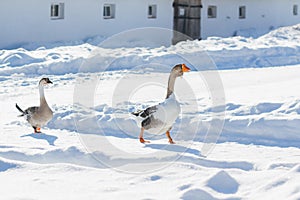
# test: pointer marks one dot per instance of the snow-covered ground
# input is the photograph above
(90, 149)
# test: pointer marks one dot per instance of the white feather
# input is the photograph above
(167, 112)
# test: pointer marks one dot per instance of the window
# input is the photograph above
(212, 12)
(181, 11)
(152, 11)
(57, 11)
(295, 9)
(242, 12)
(109, 11)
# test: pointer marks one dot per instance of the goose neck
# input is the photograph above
(42, 95)
(171, 84)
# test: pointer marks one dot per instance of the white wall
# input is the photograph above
(23, 21)
(260, 14)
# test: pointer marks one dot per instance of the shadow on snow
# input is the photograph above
(42, 136)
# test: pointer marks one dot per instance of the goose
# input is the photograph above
(159, 118)
(38, 116)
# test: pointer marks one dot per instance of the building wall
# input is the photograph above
(24, 21)
(262, 15)
(29, 21)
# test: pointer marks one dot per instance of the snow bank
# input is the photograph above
(275, 128)
(280, 187)
(278, 48)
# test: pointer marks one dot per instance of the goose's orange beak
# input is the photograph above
(185, 68)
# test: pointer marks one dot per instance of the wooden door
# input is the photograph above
(187, 19)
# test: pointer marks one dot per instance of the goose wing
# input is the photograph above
(29, 112)
(145, 113)
(161, 118)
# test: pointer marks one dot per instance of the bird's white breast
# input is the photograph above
(167, 112)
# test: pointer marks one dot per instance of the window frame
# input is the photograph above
(57, 11)
(112, 8)
(242, 12)
(153, 9)
(212, 12)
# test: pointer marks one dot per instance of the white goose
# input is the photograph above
(38, 116)
(160, 118)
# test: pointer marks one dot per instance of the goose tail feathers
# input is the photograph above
(137, 113)
(22, 111)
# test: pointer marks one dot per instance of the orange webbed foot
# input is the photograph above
(37, 130)
(171, 141)
(169, 137)
(144, 141)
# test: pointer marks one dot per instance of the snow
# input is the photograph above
(90, 149)
(222, 182)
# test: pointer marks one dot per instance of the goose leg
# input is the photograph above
(169, 137)
(141, 136)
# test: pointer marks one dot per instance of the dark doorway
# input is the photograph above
(187, 19)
